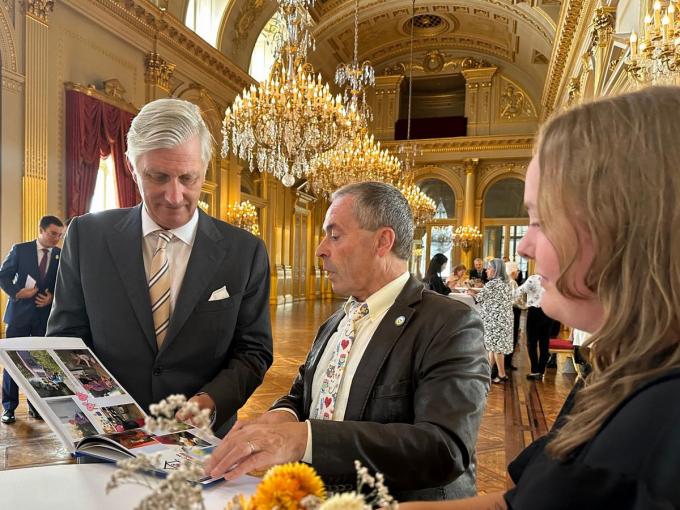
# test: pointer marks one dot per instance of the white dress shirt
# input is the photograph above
(378, 304)
(533, 289)
(178, 250)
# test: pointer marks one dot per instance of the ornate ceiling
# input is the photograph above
(514, 35)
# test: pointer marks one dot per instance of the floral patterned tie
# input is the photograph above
(336, 366)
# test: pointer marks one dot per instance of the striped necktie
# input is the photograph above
(159, 287)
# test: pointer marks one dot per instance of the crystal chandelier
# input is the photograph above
(358, 161)
(243, 215)
(422, 206)
(655, 58)
(291, 117)
(466, 236)
(355, 77)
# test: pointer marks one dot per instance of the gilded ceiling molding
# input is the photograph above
(9, 5)
(245, 19)
(572, 23)
(514, 102)
(469, 143)
(39, 9)
(146, 18)
(435, 61)
(8, 52)
(113, 93)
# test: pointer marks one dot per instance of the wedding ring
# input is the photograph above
(252, 447)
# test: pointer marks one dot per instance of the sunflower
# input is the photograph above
(284, 486)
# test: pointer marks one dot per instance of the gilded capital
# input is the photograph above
(471, 165)
(39, 9)
(157, 71)
(603, 26)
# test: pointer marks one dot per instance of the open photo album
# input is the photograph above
(89, 410)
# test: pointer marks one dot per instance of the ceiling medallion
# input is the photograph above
(426, 25)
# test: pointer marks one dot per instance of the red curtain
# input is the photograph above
(95, 129)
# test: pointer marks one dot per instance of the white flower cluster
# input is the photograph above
(165, 413)
(176, 492)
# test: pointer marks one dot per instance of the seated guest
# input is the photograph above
(433, 277)
(616, 441)
(170, 299)
(495, 300)
(478, 272)
(396, 378)
(458, 277)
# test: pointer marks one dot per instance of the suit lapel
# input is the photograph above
(207, 254)
(318, 348)
(125, 244)
(385, 337)
(35, 263)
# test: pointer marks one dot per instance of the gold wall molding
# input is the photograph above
(9, 5)
(12, 82)
(245, 19)
(157, 71)
(468, 143)
(492, 172)
(435, 61)
(113, 93)
(38, 9)
(148, 19)
(514, 103)
(8, 52)
(572, 24)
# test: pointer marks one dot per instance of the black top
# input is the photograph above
(632, 463)
(481, 275)
(437, 284)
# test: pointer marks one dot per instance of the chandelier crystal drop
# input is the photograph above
(291, 117)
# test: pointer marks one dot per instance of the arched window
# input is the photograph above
(263, 55)
(436, 237)
(204, 17)
(505, 220)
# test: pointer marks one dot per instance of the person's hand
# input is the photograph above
(203, 400)
(42, 300)
(257, 445)
(27, 293)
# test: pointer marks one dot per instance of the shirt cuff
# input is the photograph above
(286, 409)
(308, 449)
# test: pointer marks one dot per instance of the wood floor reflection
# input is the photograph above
(516, 412)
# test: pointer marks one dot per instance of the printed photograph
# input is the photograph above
(42, 372)
(120, 418)
(73, 418)
(132, 439)
(89, 373)
(185, 439)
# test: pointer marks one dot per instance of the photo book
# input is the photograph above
(89, 410)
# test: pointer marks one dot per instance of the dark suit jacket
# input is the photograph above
(415, 403)
(22, 261)
(479, 274)
(437, 284)
(220, 347)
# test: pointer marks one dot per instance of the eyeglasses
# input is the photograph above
(51, 233)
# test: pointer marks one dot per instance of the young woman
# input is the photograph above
(433, 277)
(602, 195)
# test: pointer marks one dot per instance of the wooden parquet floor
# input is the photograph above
(516, 412)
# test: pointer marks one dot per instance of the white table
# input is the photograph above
(82, 487)
(465, 298)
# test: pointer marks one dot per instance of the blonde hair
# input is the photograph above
(611, 167)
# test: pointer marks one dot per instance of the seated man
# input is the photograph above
(397, 378)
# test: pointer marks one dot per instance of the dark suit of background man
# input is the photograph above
(478, 271)
(29, 304)
(209, 334)
(397, 378)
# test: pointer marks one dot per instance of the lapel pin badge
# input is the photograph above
(399, 320)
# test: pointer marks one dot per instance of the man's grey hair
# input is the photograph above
(378, 205)
(499, 268)
(478, 260)
(165, 124)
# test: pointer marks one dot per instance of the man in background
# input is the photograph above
(396, 378)
(170, 299)
(478, 272)
(27, 276)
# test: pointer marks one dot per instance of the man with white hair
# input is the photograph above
(169, 298)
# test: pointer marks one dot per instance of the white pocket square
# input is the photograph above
(219, 294)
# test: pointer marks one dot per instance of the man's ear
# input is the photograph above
(386, 239)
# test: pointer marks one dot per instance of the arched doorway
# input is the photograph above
(435, 236)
